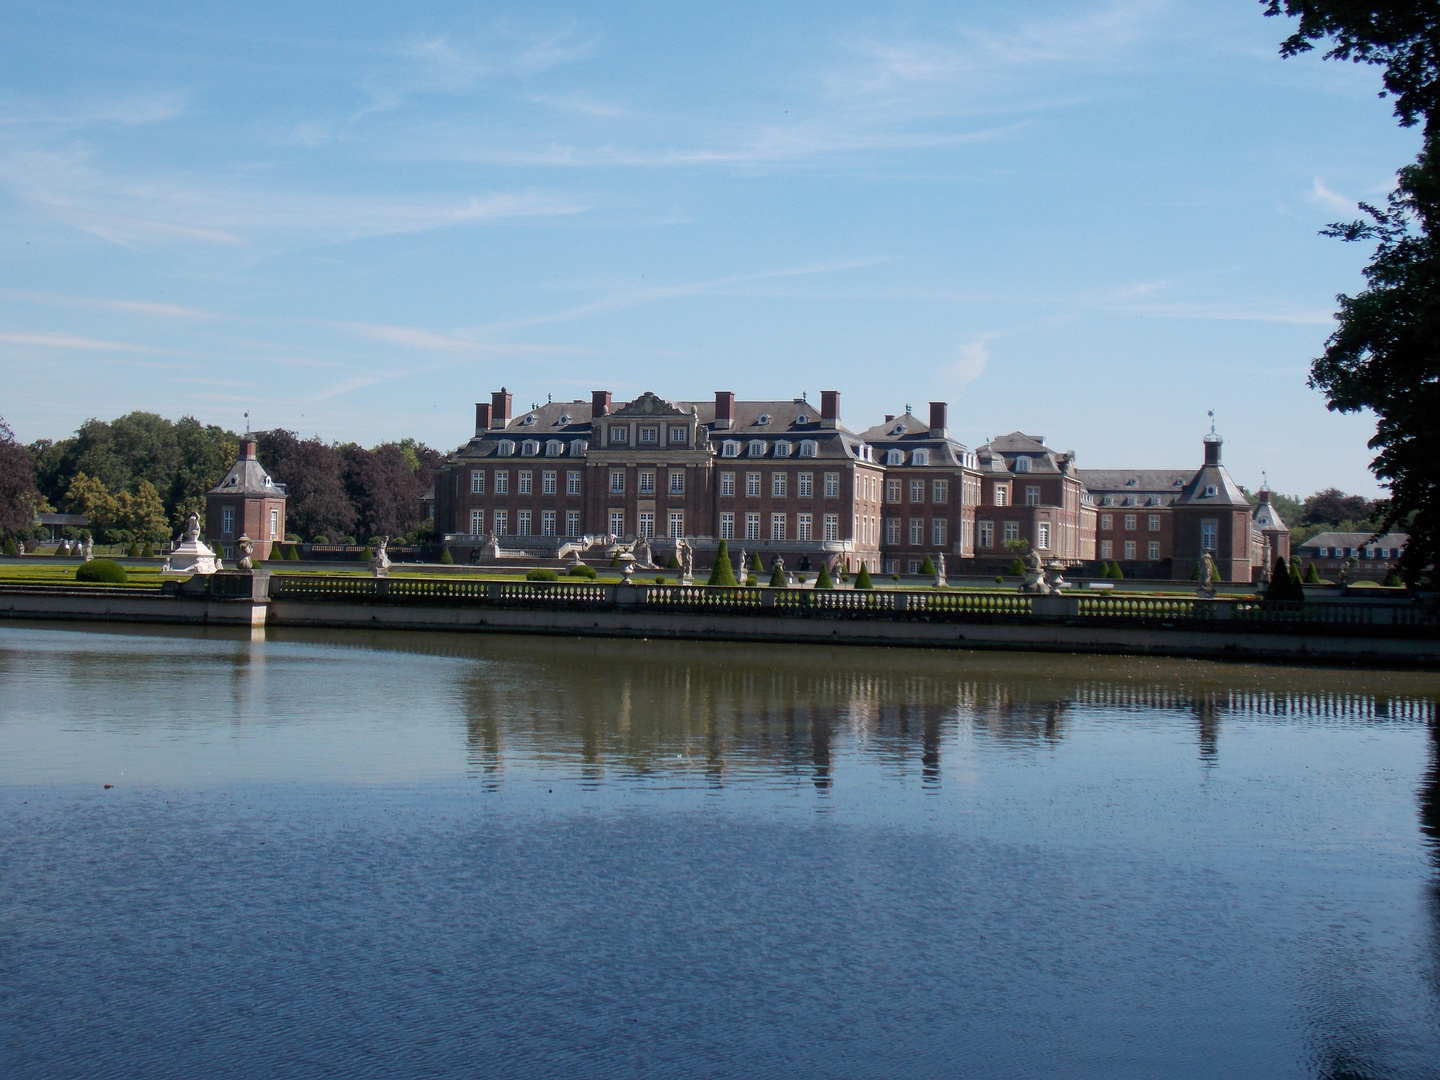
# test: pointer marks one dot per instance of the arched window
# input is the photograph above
(782, 448)
(554, 448)
(505, 448)
(730, 448)
(530, 447)
(809, 448)
(894, 457)
(920, 457)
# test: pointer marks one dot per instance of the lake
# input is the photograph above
(353, 855)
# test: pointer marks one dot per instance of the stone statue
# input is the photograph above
(1207, 576)
(940, 569)
(687, 561)
(246, 549)
(643, 555)
(744, 565)
(1034, 580)
(192, 528)
(492, 545)
(86, 549)
(380, 562)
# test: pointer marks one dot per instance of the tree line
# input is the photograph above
(139, 476)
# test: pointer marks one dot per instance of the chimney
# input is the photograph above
(889, 416)
(499, 408)
(829, 408)
(247, 449)
(1264, 494)
(724, 410)
(599, 404)
(938, 411)
(482, 418)
(1212, 449)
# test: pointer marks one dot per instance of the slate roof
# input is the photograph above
(1000, 453)
(1135, 487)
(248, 477)
(1268, 518)
(1333, 540)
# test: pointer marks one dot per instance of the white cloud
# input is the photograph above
(1322, 195)
(138, 307)
(968, 365)
(71, 341)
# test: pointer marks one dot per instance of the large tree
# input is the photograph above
(19, 498)
(1385, 353)
(313, 473)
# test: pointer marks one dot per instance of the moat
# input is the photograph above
(399, 854)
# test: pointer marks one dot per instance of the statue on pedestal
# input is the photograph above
(246, 549)
(87, 549)
(192, 555)
(940, 578)
(687, 561)
(744, 566)
(1034, 580)
(380, 562)
(644, 557)
(492, 545)
(1207, 577)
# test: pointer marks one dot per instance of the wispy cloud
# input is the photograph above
(129, 109)
(411, 337)
(72, 341)
(138, 307)
(1323, 196)
(967, 366)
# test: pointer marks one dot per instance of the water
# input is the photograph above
(399, 855)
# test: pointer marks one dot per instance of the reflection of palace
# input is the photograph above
(785, 478)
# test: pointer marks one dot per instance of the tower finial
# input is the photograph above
(247, 423)
(1211, 413)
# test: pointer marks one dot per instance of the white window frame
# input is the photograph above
(779, 485)
(547, 523)
(987, 535)
(645, 526)
(677, 523)
(920, 457)
(778, 526)
(752, 526)
(832, 527)
(809, 448)
(1154, 551)
(548, 482)
(617, 522)
(804, 528)
(730, 448)
(917, 532)
(526, 484)
(727, 525)
(805, 486)
(752, 485)
(645, 483)
(892, 531)
(677, 481)
(477, 481)
(917, 491)
(727, 485)
(502, 482)
(502, 522)
(477, 522)
(522, 523)
(1012, 530)
(572, 522)
(617, 481)
(572, 482)
(937, 532)
(832, 485)
(940, 492)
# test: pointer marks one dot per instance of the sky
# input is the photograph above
(1095, 220)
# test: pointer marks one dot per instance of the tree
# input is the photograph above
(313, 474)
(19, 497)
(862, 579)
(723, 572)
(823, 579)
(88, 495)
(1384, 355)
(446, 559)
(777, 577)
(1312, 576)
(141, 514)
(1333, 507)
(1279, 587)
(928, 566)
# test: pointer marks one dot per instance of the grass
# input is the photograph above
(64, 574)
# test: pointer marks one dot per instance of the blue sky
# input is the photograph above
(1092, 221)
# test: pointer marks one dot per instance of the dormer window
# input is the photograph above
(782, 448)
(802, 420)
(529, 421)
(619, 436)
(530, 447)
(898, 429)
(757, 447)
(1022, 464)
(506, 448)
(578, 447)
(920, 457)
(1209, 491)
(1132, 482)
(233, 481)
(554, 448)
(730, 448)
(894, 457)
(564, 420)
(809, 448)
(763, 419)
(269, 482)
(649, 435)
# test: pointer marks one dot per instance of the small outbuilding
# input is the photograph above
(247, 502)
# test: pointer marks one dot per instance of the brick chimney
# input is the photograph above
(482, 418)
(247, 448)
(500, 408)
(829, 408)
(938, 415)
(1212, 449)
(599, 404)
(724, 410)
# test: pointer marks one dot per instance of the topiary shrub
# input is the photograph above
(1017, 568)
(928, 567)
(659, 581)
(723, 572)
(756, 565)
(541, 574)
(673, 563)
(777, 577)
(1392, 580)
(801, 578)
(615, 561)
(133, 551)
(1279, 587)
(101, 571)
(446, 559)
(348, 541)
(148, 551)
(292, 553)
(752, 581)
(1312, 576)
(321, 540)
(1116, 574)
(581, 570)
(862, 579)
(10, 548)
(822, 579)
(366, 554)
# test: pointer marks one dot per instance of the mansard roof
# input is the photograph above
(1355, 540)
(248, 477)
(1226, 491)
(1135, 487)
(1268, 519)
(1000, 454)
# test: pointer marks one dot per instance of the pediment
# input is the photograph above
(649, 404)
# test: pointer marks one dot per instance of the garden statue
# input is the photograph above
(940, 578)
(192, 528)
(744, 566)
(192, 555)
(380, 562)
(1207, 576)
(644, 557)
(492, 546)
(687, 561)
(246, 549)
(86, 549)
(1034, 580)
(1055, 575)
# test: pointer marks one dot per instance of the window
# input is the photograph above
(1323, 553)
(757, 447)
(617, 522)
(554, 448)
(727, 526)
(679, 435)
(920, 457)
(752, 485)
(940, 492)
(807, 485)
(649, 435)
(1209, 491)
(1107, 549)
(526, 485)
(1153, 554)
(1209, 535)
(530, 447)
(802, 419)
(477, 482)
(917, 531)
(752, 526)
(912, 566)
(727, 484)
(1154, 522)
(782, 448)
(892, 530)
(505, 448)
(502, 482)
(274, 523)
(763, 419)
(803, 528)
(619, 436)
(778, 484)
(987, 534)
(1022, 464)
(677, 481)
(1129, 550)
(523, 526)
(647, 482)
(1002, 495)
(1012, 530)
(809, 448)
(832, 485)
(1130, 522)
(894, 457)
(730, 448)
(646, 526)
(547, 482)
(892, 491)
(617, 483)
(832, 526)
(227, 521)
(1107, 522)
(917, 491)
(1032, 495)
(547, 523)
(477, 522)
(777, 526)
(937, 532)
(572, 522)
(572, 483)
(502, 522)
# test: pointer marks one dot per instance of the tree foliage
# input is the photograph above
(1385, 352)
(723, 572)
(19, 497)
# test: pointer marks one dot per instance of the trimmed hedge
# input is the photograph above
(777, 577)
(723, 572)
(928, 567)
(446, 559)
(581, 570)
(101, 572)
(862, 579)
(823, 579)
(542, 575)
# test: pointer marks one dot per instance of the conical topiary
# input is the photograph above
(1279, 588)
(10, 546)
(292, 553)
(366, 554)
(1017, 568)
(148, 551)
(446, 559)
(1297, 586)
(1312, 576)
(1392, 580)
(133, 551)
(928, 567)
(674, 561)
(862, 579)
(756, 566)
(777, 577)
(822, 579)
(723, 572)
(1116, 574)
